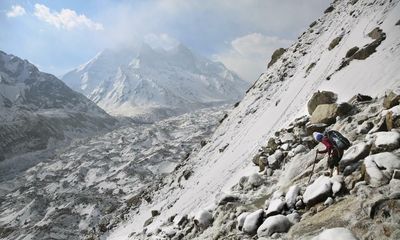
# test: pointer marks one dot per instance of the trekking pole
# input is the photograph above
(312, 170)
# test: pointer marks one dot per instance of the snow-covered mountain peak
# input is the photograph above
(154, 83)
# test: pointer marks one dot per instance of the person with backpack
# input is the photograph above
(335, 144)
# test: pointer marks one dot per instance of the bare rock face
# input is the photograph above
(321, 97)
(276, 55)
(325, 113)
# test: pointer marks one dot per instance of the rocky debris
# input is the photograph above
(379, 168)
(253, 221)
(315, 127)
(320, 97)
(336, 234)
(325, 113)
(203, 218)
(318, 191)
(385, 141)
(392, 99)
(155, 213)
(274, 224)
(276, 55)
(335, 42)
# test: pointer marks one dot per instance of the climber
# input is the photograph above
(334, 153)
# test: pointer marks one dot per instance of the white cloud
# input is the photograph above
(66, 18)
(162, 40)
(248, 55)
(16, 10)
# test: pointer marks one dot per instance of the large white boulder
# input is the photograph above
(386, 141)
(318, 191)
(275, 206)
(255, 180)
(253, 221)
(379, 168)
(336, 234)
(274, 224)
(291, 196)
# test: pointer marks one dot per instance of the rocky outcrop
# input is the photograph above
(276, 55)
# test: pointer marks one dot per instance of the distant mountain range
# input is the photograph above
(155, 83)
(36, 107)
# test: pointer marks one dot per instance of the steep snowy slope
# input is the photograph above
(36, 107)
(155, 83)
(281, 94)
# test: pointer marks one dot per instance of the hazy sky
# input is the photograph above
(58, 35)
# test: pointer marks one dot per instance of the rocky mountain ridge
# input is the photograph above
(37, 110)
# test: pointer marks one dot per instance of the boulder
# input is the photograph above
(274, 161)
(336, 234)
(291, 196)
(272, 145)
(240, 220)
(276, 55)
(354, 154)
(275, 207)
(328, 201)
(288, 138)
(203, 218)
(325, 113)
(379, 168)
(253, 221)
(274, 224)
(255, 180)
(385, 141)
(318, 98)
(318, 191)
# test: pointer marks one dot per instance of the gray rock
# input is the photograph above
(318, 98)
(379, 168)
(253, 221)
(325, 113)
(391, 99)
